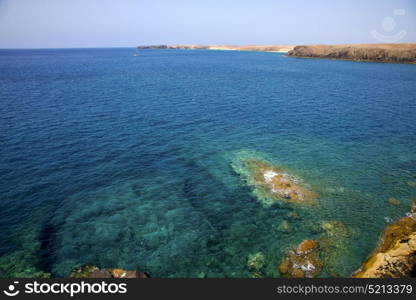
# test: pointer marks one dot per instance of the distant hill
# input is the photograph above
(272, 48)
(397, 53)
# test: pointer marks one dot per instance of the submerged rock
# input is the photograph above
(256, 261)
(284, 227)
(306, 247)
(304, 261)
(24, 261)
(335, 241)
(411, 183)
(271, 183)
(394, 201)
(293, 216)
(91, 271)
(395, 255)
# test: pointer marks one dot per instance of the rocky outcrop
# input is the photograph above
(91, 271)
(395, 53)
(271, 183)
(304, 261)
(395, 255)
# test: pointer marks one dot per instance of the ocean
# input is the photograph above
(127, 161)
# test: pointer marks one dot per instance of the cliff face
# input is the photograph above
(395, 255)
(398, 53)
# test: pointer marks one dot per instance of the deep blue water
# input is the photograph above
(125, 161)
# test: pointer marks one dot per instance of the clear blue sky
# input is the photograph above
(118, 23)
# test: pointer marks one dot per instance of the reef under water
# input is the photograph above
(271, 183)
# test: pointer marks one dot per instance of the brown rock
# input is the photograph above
(307, 246)
(298, 273)
(103, 273)
(84, 271)
(285, 266)
(120, 273)
(399, 53)
(304, 262)
(141, 274)
(91, 271)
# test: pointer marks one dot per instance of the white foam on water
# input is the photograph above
(307, 267)
(388, 220)
(268, 176)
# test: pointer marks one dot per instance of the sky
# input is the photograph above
(128, 23)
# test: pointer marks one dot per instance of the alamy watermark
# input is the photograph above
(389, 33)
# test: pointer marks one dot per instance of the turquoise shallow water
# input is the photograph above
(126, 161)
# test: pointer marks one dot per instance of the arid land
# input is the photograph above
(393, 53)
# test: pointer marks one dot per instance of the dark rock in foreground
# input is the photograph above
(394, 53)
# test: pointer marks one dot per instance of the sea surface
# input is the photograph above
(126, 161)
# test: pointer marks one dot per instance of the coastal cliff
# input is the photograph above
(394, 53)
(395, 255)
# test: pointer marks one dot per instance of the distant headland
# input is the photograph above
(393, 53)
(274, 48)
